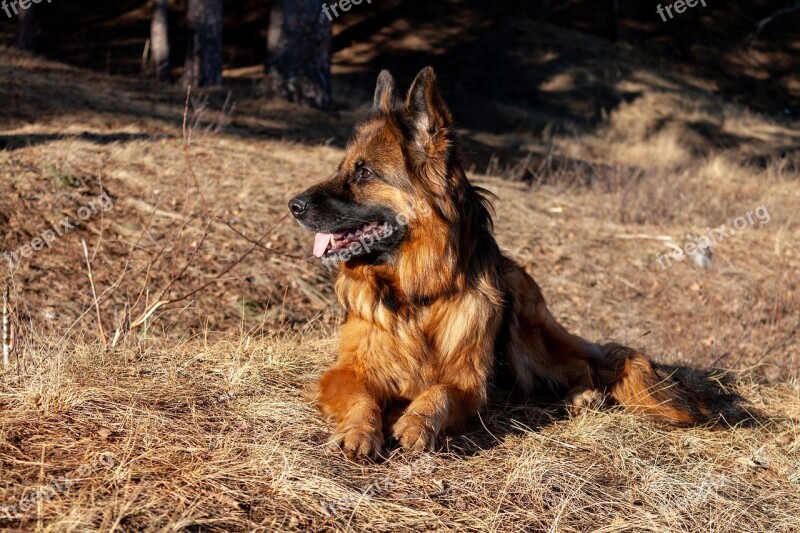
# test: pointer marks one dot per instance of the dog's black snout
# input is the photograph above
(298, 206)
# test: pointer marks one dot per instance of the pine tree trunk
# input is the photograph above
(204, 47)
(614, 9)
(25, 29)
(299, 44)
(159, 39)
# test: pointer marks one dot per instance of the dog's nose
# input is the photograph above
(298, 206)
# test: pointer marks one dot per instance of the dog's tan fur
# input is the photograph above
(449, 313)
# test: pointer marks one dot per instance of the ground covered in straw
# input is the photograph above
(221, 436)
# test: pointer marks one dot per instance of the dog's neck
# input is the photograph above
(445, 254)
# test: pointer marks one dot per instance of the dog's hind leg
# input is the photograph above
(584, 395)
(584, 400)
(344, 397)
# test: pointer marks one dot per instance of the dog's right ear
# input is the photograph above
(384, 92)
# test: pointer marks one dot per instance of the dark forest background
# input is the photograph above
(749, 51)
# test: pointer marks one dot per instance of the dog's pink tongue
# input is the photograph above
(321, 241)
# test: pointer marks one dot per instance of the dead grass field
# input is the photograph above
(203, 408)
(219, 436)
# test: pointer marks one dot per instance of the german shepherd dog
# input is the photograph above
(436, 314)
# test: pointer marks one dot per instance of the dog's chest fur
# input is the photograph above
(407, 347)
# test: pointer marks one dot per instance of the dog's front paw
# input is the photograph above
(415, 433)
(358, 442)
(585, 400)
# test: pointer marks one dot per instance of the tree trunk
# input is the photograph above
(204, 47)
(613, 7)
(159, 39)
(25, 29)
(299, 44)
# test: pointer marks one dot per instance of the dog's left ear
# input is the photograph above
(426, 110)
(384, 92)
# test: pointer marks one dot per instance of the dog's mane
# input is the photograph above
(473, 261)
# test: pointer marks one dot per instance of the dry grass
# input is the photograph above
(204, 410)
(219, 436)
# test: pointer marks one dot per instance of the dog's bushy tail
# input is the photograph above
(636, 383)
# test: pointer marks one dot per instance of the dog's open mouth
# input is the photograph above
(326, 244)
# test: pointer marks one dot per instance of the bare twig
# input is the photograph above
(100, 330)
(224, 117)
(187, 132)
(175, 278)
(162, 301)
(115, 340)
(146, 56)
(126, 268)
(6, 328)
(770, 19)
(188, 263)
(260, 246)
(232, 264)
(187, 135)
(147, 314)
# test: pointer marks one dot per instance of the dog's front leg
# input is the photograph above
(344, 397)
(436, 408)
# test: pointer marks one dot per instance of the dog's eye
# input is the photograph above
(364, 174)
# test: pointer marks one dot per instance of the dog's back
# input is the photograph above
(543, 355)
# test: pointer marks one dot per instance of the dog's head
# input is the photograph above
(396, 176)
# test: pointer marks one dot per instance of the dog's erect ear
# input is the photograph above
(384, 92)
(426, 108)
